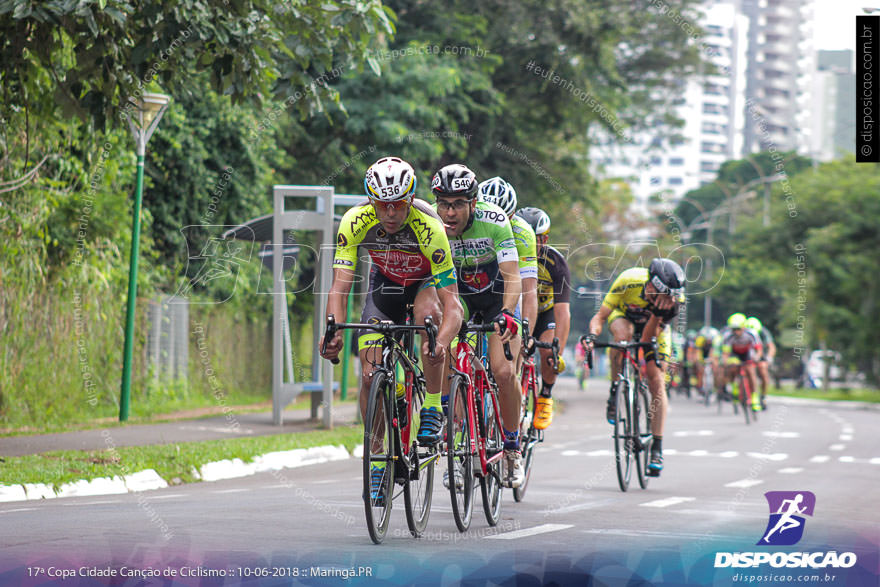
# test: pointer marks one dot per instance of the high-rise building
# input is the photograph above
(781, 65)
(833, 109)
(712, 106)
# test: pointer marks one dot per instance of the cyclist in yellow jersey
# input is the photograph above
(412, 264)
(641, 304)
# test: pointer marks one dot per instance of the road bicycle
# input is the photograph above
(745, 390)
(474, 434)
(632, 423)
(391, 424)
(528, 434)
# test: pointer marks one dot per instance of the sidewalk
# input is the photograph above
(194, 430)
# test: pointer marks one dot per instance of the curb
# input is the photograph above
(149, 479)
(824, 403)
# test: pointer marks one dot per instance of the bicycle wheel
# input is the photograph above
(744, 398)
(419, 485)
(379, 449)
(642, 432)
(623, 455)
(528, 436)
(460, 454)
(490, 483)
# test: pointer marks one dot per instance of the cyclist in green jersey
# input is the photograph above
(499, 192)
(489, 282)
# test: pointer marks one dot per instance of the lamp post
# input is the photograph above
(147, 111)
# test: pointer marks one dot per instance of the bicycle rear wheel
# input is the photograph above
(623, 455)
(528, 437)
(642, 432)
(379, 450)
(418, 488)
(490, 483)
(460, 454)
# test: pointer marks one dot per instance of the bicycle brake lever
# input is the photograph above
(507, 354)
(328, 334)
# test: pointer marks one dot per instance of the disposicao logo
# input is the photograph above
(787, 508)
(785, 528)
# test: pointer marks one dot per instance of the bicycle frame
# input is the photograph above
(476, 373)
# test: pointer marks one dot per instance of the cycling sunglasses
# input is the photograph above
(390, 206)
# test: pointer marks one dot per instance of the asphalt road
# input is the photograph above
(574, 522)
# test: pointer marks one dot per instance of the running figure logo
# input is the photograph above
(787, 508)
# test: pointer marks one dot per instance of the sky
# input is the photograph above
(835, 22)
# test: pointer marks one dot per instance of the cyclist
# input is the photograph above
(640, 305)
(766, 361)
(739, 344)
(485, 257)
(412, 264)
(554, 315)
(703, 344)
(501, 193)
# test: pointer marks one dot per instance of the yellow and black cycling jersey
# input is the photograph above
(627, 298)
(420, 249)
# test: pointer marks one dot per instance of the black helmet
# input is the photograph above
(455, 180)
(537, 219)
(667, 276)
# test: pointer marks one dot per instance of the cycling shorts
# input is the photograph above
(663, 345)
(386, 300)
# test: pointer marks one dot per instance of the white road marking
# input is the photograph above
(773, 434)
(578, 507)
(729, 454)
(820, 459)
(698, 453)
(599, 453)
(847, 459)
(168, 496)
(102, 502)
(846, 437)
(790, 470)
(662, 503)
(875, 461)
(570, 453)
(525, 532)
(744, 483)
(694, 433)
(17, 510)
(777, 456)
(837, 447)
(230, 491)
(848, 430)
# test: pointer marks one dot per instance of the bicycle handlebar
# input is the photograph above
(487, 327)
(384, 328)
(623, 346)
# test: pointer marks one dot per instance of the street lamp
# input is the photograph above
(148, 110)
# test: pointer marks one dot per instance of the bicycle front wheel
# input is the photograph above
(623, 425)
(490, 483)
(378, 457)
(419, 485)
(745, 399)
(460, 454)
(642, 432)
(529, 436)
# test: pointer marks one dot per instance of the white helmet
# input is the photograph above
(390, 179)
(537, 219)
(499, 192)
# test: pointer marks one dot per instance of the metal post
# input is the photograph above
(346, 350)
(125, 397)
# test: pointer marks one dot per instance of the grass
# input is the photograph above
(845, 394)
(173, 462)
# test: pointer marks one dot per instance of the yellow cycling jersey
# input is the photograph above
(420, 249)
(626, 298)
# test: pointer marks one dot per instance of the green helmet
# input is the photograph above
(737, 320)
(754, 324)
